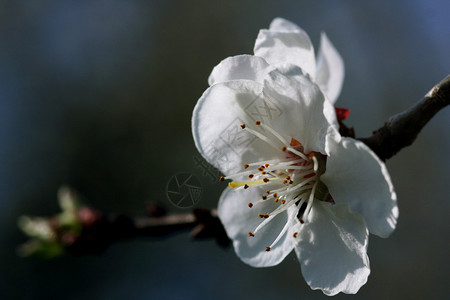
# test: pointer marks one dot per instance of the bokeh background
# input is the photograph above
(99, 95)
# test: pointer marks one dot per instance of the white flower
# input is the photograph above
(297, 184)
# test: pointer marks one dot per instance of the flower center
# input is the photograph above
(293, 180)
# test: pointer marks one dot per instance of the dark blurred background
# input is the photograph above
(99, 95)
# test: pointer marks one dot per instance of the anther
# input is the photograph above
(243, 126)
(266, 180)
(264, 197)
(267, 249)
(284, 181)
(258, 122)
(250, 176)
(261, 168)
(277, 199)
(245, 186)
(264, 172)
(291, 182)
(222, 179)
(301, 221)
(250, 234)
(283, 148)
(288, 177)
(295, 234)
(250, 205)
(246, 166)
(283, 201)
(268, 192)
(266, 165)
(275, 195)
(266, 216)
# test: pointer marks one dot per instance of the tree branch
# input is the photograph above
(104, 230)
(82, 230)
(402, 129)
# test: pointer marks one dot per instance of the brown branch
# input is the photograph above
(96, 236)
(95, 231)
(402, 129)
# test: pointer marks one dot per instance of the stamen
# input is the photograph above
(298, 153)
(310, 201)
(262, 137)
(316, 163)
(278, 210)
(299, 167)
(294, 177)
(222, 179)
(267, 249)
(234, 184)
(285, 227)
(276, 134)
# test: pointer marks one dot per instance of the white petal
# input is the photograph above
(284, 43)
(216, 122)
(332, 248)
(305, 118)
(330, 69)
(240, 67)
(283, 25)
(238, 220)
(355, 175)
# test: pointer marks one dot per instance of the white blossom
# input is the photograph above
(268, 123)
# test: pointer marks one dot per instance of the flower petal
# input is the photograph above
(238, 220)
(355, 175)
(332, 247)
(215, 125)
(330, 69)
(309, 115)
(285, 42)
(283, 25)
(240, 67)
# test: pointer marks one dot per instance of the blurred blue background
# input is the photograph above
(99, 95)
